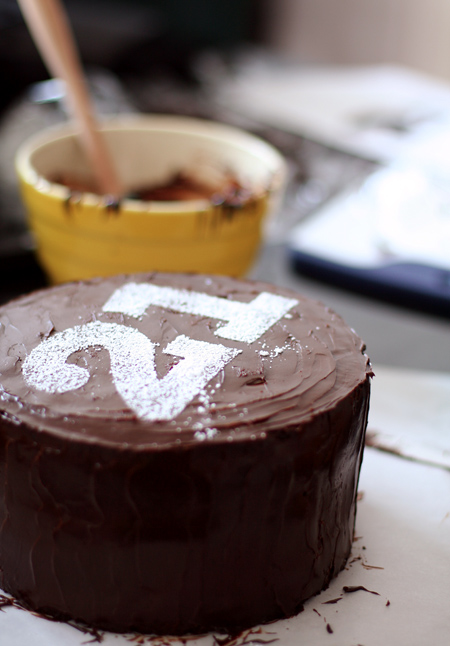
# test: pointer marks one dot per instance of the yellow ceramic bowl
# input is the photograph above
(80, 236)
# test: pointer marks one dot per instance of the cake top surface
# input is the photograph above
(157, 359)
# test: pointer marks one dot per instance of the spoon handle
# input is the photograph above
(50, 29)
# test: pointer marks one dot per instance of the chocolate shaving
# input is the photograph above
(244, 638)
(256, 381)
(96, 637)
(6, 601)
(329, 629)
(355, 588)
(332, 601)
(161, 640)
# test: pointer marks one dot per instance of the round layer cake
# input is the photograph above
(178, 453)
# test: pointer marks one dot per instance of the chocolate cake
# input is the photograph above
(178, 453)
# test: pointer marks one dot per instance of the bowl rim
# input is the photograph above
(149, 122)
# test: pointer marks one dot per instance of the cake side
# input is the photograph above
(162, 526)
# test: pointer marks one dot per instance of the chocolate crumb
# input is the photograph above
(317, 612)
(332, 601)
(329, 629)
(355, 588)
(388, 603)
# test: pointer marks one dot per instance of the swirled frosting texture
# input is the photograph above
(202, 476)
(303, 364)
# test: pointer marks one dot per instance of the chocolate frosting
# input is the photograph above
(304, 364)
(229, 511)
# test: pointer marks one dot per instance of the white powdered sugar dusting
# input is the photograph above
(133, 369)
(272, 353)
(132, 353)
(246, 322)
(205, 434)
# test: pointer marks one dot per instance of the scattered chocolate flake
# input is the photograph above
(332, 601)
(372, 567)
(96, 638)
(329, 629)
(356, 558)
(388, 603)
(251, 640)
(257, 381)
(246, 637)
(355, 588)
(317, 612)
(97, 635)
(160, 640)
(136, 639)
(6, 601)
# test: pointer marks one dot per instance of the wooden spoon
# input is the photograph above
(50, 29)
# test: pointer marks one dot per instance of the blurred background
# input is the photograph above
(137, 37)
(355, 93)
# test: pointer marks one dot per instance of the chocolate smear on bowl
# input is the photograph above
(221, 189)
